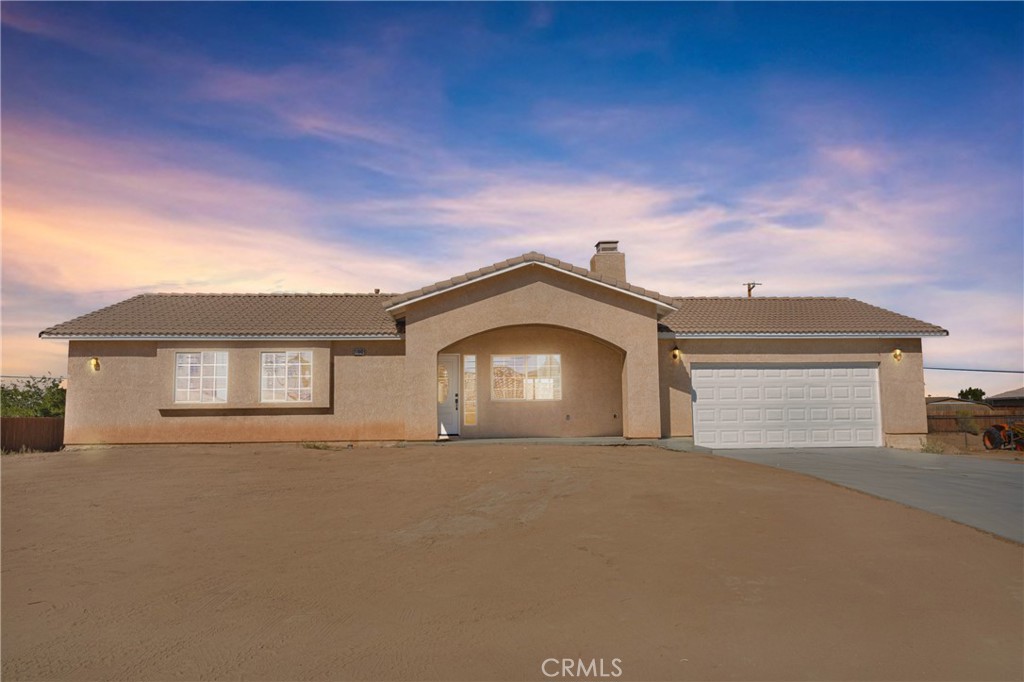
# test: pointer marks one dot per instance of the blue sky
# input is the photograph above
(871, 150)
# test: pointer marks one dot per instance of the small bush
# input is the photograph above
(316, 445)
(965, 422)
(33, 397)
(933, 447)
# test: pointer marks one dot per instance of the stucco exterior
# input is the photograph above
(130, 398)
(534, 296)
(901, 384)
(591, 403)
(376, 358)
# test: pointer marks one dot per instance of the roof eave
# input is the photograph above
(798, 335)
(220, 337)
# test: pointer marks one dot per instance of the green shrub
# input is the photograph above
(933, 447)
(965, 422)
(33, 397)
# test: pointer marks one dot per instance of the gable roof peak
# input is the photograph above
(664, 303)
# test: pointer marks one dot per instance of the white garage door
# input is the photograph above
(774, 406)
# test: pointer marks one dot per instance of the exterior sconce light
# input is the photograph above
(94, 364)
(676, 353)
(897, 355)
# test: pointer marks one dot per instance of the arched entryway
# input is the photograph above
(530, 380)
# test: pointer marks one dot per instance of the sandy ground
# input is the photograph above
(970, 445)
(433, 562)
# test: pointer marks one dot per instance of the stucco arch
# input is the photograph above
(590, 400)
(535, 297)
(596, 339)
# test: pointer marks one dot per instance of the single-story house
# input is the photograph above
(530, 346)
(947, 406)
(1008, 399)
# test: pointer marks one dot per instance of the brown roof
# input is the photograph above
(531, 257)
(340, 315)
(236, 315)
(1015, 394)
(790, 316)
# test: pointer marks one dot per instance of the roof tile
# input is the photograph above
(256, 315)
(789, 315)
(338, 315)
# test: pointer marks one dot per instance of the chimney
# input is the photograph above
(609, 261)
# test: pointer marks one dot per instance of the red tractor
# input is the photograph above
(1004, 437)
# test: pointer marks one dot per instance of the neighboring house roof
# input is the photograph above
(665, 303)
(947, 406)
(235, 316)
(789, 317)
(1015, 394)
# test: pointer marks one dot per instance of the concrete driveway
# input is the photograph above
(983, 493)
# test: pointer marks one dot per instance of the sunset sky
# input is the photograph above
(870, 150)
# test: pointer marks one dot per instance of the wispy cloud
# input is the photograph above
(415, 147)
(333, 104)
(113, 219)
(840, 229)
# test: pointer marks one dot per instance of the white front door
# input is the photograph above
(795, 406)
(447, 395)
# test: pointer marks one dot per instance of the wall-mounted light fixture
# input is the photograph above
(94, 364)
(677, 354)
(897, 355)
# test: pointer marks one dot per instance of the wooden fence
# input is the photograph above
(31, 433)
(975, 423)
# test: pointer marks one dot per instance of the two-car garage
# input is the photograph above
(805, 405)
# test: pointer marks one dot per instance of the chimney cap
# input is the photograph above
(606, 246)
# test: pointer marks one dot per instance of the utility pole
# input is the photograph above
(750, 288)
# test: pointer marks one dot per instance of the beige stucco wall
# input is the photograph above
(591, 403)
(130, 398)
(901, 384)
(618, 377)
(534, 296)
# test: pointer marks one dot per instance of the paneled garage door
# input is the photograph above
(775, 406)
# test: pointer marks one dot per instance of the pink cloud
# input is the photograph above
(88, 222)
(854, 158)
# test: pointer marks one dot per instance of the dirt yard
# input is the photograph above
(481, 562)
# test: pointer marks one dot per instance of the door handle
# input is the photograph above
(456, 402)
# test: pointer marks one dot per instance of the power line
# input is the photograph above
(965, 369)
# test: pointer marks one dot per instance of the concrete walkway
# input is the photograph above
(983, 493)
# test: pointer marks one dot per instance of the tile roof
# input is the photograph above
(1015, 394)
(236, 315)
(531, 257)
(789, 316)
(340, 315)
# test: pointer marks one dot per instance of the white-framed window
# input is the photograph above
(201, 377)
(526, 377)
(286, 377)
(469, 390)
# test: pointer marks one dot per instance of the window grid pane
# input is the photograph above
(526, 377)
(287, 377)
(201, 377)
